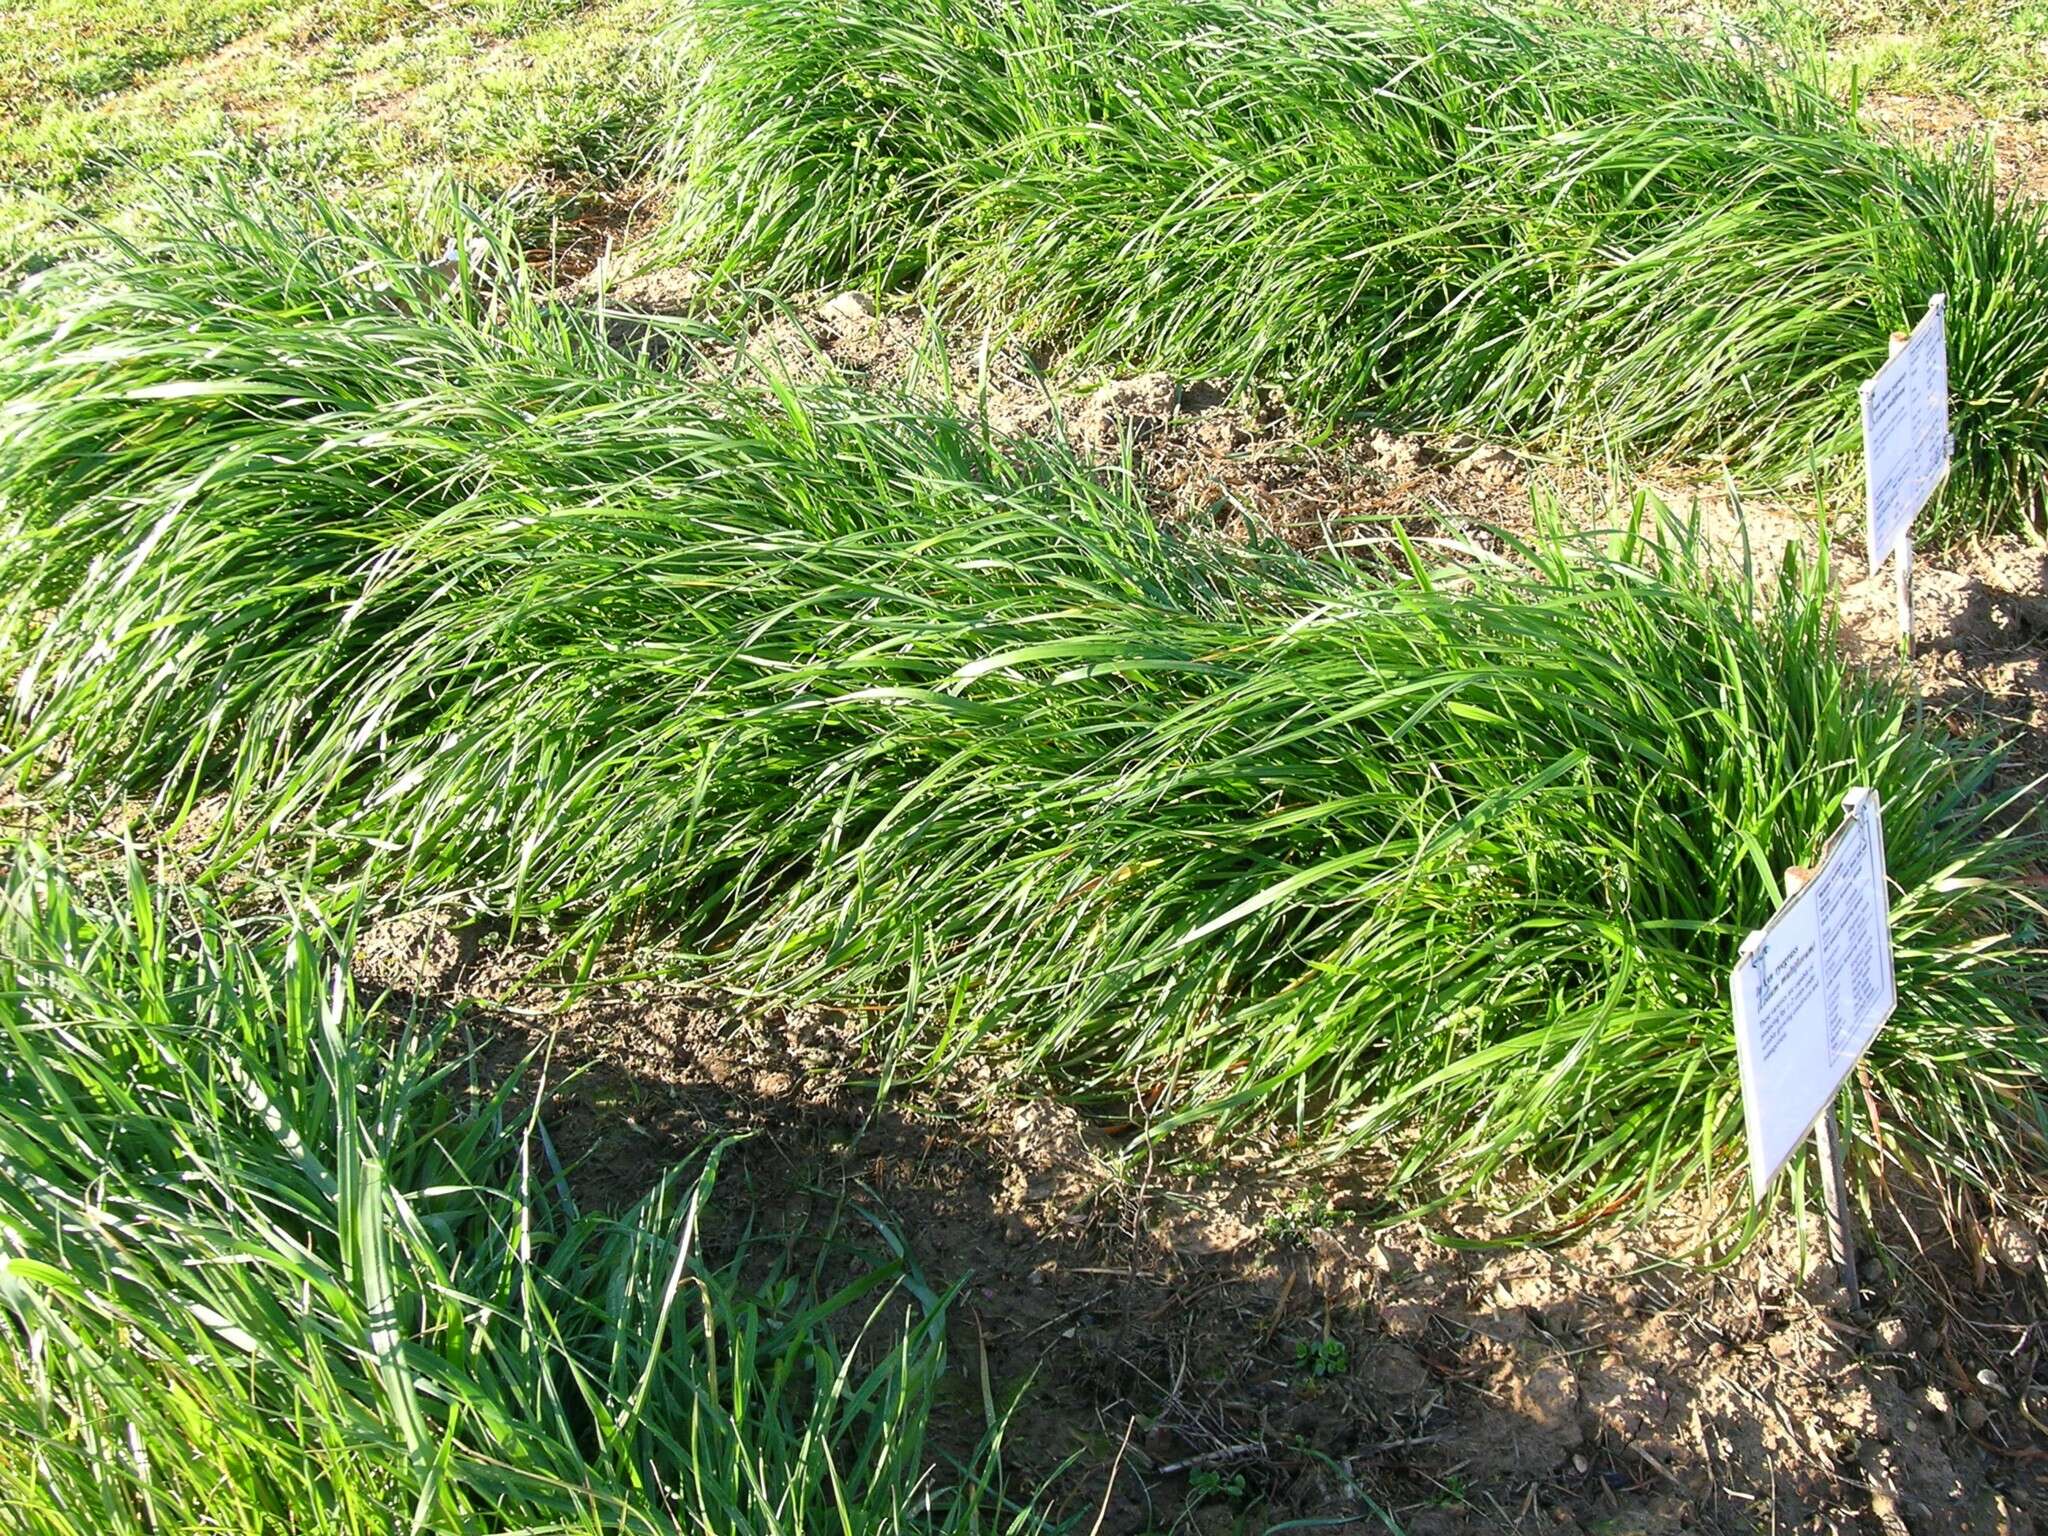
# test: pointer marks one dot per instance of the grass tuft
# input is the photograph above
(1512, 221)
(271, 1264)
(864, 707)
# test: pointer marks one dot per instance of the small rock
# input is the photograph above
(1218, 435)
(1625, 1401)
(1405, 1319)
(1824, 1288)
(1049, 1151)
(665, 291)
(1549, 1398)
(1893, 1335)
(1025, 416)
(414, 952)
(1390, 1368)
(1136, 407)
(850, 314)
(1201, 1234)
(1936, 1399)
(1563, 1315)
(1503, 1325)
(1149, 394)
(1386, 1260)
(724, 1070)
(2013, 1245)
(1972, 1413)
(1399, 453)
(472, 255)
(1492, 467)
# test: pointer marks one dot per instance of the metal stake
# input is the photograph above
(1904, 574)
(1834, 1188)
(1903, 568)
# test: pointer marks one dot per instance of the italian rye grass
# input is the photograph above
(270, 1263)
(862, 707)
(1510, 220)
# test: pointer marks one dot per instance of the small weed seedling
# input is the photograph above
(1322, 1357)
(1209, 1483)
(1301, 1215)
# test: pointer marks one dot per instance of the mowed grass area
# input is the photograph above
(544, 103)
(60, 50)
(1990, 54)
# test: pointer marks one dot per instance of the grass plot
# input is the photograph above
(266, 1266)
(1509, 220)
(862, 707)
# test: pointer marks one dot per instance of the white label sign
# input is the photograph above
(1811, 990)
(1906, 444)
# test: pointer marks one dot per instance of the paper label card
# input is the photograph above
(1906, 444)
(1811, 990)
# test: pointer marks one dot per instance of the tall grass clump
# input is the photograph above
(858, 706)
(1512, 220)
(269, 1264)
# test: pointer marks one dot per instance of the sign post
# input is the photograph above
(1810, 991)
(1906, 447)
(1834, 1193)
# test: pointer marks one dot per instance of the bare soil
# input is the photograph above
(1981, 660)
